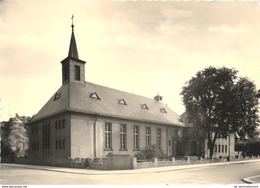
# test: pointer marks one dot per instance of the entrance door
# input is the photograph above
(180, 148)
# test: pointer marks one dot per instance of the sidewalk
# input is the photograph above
(254, 179)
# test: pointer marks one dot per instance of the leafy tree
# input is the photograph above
(5, 149)
(219, 103)
(14, 138)
(18, 138)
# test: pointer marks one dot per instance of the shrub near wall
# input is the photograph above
(149, 153)
(112, 162)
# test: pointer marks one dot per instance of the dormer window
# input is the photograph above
(162, 110)
(94, 96)
(144, 106)
(122, 101)
(57, 96)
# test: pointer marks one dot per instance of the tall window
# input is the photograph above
(77, 72)
(123, 137)
(136, 137)
(158, 138)
(65, 72)
(225, 148)
(148, 136)
(108, 134)
(46, 144)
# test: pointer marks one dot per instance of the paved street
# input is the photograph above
(228, 173)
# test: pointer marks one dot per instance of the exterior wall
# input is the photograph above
(82, 136)
(68, 67)
(185, 142)
(100, 131)
(36, 149)
(72, 71)
(223, 147)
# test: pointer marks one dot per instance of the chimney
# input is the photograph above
(158, 98)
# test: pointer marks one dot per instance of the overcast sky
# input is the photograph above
(139, 47)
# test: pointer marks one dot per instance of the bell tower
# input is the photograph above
(73, 69)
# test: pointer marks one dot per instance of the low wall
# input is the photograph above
(113, 162)
(118, 162)
(60, 162)
(154, 163)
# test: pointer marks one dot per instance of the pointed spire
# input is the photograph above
(73, 52)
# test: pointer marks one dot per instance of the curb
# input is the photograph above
(250, 181)
(136, 171)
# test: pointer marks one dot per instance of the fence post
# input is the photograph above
(155, 160)
(134, 162)
(188, 159)
(173, 160)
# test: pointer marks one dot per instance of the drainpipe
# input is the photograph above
(167, 142)
(94, 133)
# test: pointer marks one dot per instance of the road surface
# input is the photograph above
(224, 174)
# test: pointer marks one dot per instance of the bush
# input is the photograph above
(250, 147)
(150, 153)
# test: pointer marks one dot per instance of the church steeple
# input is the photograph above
(73, 69)
(73, 51)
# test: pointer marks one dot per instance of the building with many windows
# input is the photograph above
(86, 120)
(224, 145)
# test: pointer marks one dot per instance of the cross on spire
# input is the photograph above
(72, 25)
(73, 52)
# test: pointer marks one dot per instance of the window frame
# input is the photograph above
(77, 72)
(108, 136)
(136, 137)
(148, 136)
(159, 138)
(123, 137)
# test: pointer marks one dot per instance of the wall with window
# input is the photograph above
(126, 137)
(61, 136)
(224, 146)
(44, 136)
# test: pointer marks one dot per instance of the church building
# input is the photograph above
(86, 120)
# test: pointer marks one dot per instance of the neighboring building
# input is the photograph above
(224, 145)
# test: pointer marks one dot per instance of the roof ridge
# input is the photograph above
(126, 92)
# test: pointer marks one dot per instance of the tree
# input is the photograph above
(18, 138)
(249, 147)
(15, 140)
(218, 102)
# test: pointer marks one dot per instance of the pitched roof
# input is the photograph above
(110, 102)
(73, 51)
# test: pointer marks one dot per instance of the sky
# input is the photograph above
(141, 47)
